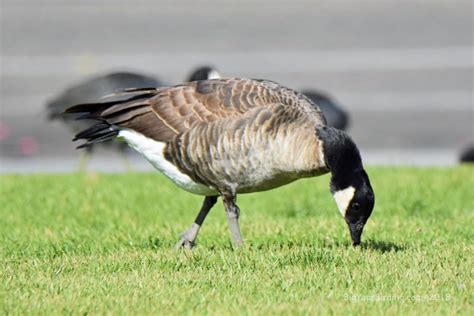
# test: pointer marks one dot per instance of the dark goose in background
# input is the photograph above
(91, 90)
(204, 73)
(334, 113)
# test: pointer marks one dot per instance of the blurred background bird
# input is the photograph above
(204, 73)
(91, 90)
(335, 115)
(467, 154)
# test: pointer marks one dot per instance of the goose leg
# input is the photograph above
(189, 236)
(123, 155)
(126, 162)
(233, 213)
(85, 158)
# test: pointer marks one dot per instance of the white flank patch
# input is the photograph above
(343, 198)
(213, 74)
(153, 151)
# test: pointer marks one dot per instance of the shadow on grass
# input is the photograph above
(277, 243)
(382, 246)
(376, 245)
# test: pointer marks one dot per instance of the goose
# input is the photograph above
(223, 137)
(334, 114)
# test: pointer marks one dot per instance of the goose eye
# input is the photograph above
(355, 206)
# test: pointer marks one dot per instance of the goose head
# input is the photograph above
(355, 201)
(204, 73)
(350, 184)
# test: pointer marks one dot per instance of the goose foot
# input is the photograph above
(183, 243)
(188, 237)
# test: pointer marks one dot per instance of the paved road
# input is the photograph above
(404, 69)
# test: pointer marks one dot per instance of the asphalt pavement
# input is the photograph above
(402, 69)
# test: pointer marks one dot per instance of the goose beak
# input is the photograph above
(356, 232)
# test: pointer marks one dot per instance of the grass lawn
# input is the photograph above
(97, 243)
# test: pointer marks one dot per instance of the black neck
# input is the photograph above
(341, 156)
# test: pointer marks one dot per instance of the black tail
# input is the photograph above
(106, 113)
(97, 133)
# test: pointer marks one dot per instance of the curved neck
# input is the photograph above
(341, 156)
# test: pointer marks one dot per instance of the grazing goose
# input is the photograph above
(334, 114)
(229, 136)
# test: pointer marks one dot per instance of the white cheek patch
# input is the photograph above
(343, 198)
(213, 74)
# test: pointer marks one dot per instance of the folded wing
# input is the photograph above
(163, 113)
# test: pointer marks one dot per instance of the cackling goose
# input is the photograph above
(222, 137)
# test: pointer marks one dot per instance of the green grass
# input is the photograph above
(95, 244)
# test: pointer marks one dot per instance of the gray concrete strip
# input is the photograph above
(113, 163)
(285, 61)
(62, 27)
